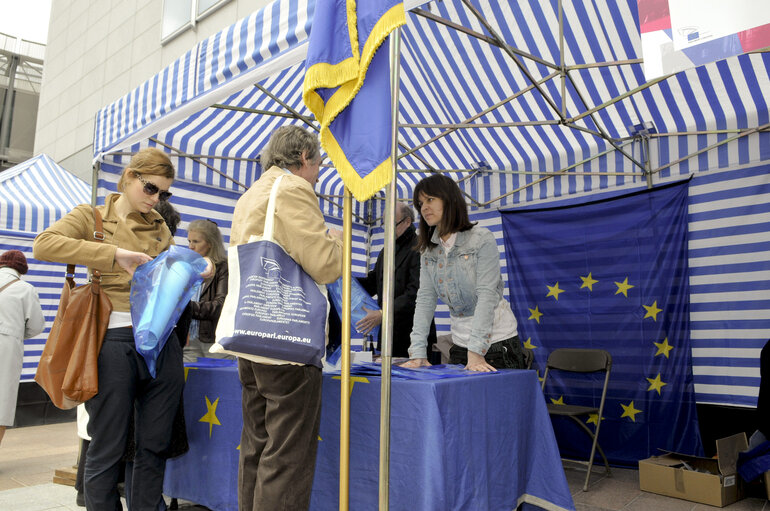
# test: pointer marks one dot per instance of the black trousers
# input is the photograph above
(281, 418)
(126, 387)
(763, 403)
(505, 354)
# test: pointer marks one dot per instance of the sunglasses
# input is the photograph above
(151, 189)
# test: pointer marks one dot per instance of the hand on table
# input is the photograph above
(477, 363)
(415, 363)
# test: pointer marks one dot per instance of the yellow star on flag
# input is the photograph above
(535, 314)
(663, 347)
(211, 414)
(554, 291)
(623, 287)
(593, 418)
(629, 411)
(353, 380)
(528, 344)
(588, 282)
(559, 401)
(656, 383)
(652, 311)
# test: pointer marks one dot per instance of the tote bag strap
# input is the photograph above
(270, 215)
(96, 276)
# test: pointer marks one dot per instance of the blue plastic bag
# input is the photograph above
(160, 290)
(359, 299)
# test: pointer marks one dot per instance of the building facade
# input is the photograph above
(100, 50)
(21, 71)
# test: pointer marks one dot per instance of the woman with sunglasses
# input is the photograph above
(460, 264)
(134, 234)
(204, 237)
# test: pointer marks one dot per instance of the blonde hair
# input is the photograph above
(211, 235)
(149, 160)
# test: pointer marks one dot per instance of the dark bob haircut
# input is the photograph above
(455, 215)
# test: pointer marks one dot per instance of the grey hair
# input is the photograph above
(286, 147)
(211, 234)
(406, 211)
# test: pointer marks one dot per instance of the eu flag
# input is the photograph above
(347, 87)
(612, 274)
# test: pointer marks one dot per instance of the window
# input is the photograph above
(180, 15)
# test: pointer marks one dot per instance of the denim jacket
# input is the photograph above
(467, 279)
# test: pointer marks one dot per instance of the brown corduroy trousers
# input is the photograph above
(281, 418)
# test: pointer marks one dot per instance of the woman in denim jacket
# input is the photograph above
(460, 264)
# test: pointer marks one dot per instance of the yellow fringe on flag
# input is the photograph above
(349, 75)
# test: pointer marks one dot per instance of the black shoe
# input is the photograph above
(80, 500)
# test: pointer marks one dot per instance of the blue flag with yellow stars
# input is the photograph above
(611, 274)
(347, 87)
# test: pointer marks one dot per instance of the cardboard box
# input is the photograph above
(705, 480)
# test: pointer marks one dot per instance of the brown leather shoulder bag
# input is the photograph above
(68, 368)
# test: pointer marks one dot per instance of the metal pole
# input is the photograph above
(5, 127)
(347, 260)
(95, 181)
(647, 162)
(562, 71)
(388, 277)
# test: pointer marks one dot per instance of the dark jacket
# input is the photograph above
(209, 307)
(406, 283)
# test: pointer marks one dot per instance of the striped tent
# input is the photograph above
(33, 195)
(521, 102)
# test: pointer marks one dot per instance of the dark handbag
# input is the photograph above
(68, 368)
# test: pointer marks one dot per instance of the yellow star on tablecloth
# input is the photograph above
(656, 383)
(559, 401)
(629, 411)
(187, 370)
(652, 311)
(588, 282)
(663, 347)
(554, 291)
(623, 287)
(528, 344)
(593, 418)
(535, 314)
(211, 414)
(353, 380)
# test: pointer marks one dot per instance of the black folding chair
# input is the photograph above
(582, 361)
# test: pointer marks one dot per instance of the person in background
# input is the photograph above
(406, 267)
(134, 233)
(282, 401)
(204, 237)
(460, 264)
(21, 317)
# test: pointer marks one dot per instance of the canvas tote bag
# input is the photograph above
(68, 369)
(273, 308)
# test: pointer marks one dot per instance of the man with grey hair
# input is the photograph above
(406, 283)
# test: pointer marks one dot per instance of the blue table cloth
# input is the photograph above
(480, 442)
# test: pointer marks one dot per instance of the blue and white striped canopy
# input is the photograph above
(33, 195)
(529, 136)
(36, 193)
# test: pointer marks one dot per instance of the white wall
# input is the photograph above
(98, 50)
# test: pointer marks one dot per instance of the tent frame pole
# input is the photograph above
(95, 168)
(347, 264)
(199, 162)
(388, 280)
